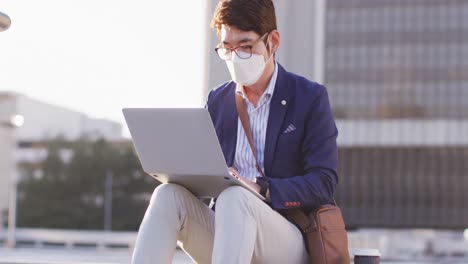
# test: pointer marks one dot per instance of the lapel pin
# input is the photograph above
(283, 102)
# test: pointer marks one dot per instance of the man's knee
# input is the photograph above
(233, 194)
(167, 190)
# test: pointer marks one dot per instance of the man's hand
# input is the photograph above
(252, 184)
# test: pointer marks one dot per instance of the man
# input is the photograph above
(295, 140)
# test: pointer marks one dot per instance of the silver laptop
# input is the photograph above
(180, 146)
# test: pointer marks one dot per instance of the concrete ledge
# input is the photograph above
(40, 238)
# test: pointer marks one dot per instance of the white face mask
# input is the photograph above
(246, 71)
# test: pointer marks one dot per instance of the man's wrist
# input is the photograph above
(264, 184)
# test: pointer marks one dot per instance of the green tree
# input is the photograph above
(70, 193)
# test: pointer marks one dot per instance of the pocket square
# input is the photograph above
(290, 128)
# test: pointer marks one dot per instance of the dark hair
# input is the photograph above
(246, 15)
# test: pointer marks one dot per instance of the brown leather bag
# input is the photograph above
(325, 232)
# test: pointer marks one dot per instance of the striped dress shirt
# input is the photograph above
(244, 161)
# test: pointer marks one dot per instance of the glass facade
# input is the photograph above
(397, 59)
(398, 69)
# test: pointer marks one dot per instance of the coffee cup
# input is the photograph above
(366, 256)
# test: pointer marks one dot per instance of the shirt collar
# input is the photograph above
(270, 88)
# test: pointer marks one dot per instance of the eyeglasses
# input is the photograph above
(242, 51)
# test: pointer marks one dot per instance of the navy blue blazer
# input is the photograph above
(301, 164)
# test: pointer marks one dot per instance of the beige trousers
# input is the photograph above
(247, 230)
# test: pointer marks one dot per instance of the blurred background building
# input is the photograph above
(395, 71)
(45, 121)
(397, 59)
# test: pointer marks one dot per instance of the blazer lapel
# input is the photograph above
(278, 108)
(230, 125)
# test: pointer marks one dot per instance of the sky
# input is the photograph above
(98, 56)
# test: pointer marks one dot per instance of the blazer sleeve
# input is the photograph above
(320, 157)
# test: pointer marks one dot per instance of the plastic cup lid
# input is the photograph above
(373, 252)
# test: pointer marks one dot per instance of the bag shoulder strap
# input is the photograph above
(244, 118)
